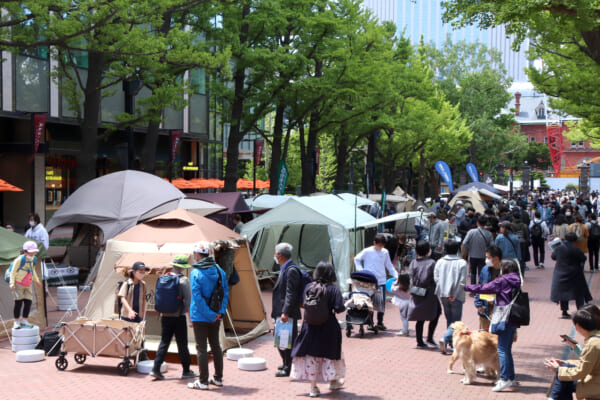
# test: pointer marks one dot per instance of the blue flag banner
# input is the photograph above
(472, 171)
(443, 169)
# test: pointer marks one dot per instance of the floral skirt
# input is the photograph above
(318, 369)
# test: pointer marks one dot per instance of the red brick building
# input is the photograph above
(536, 120)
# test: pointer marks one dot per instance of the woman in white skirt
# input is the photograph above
(317, 353)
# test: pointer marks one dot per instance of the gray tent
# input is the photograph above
(118, 201)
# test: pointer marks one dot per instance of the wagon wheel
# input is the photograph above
(80, 358)
(61, 363)
(123, 368)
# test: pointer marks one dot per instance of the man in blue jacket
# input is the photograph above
(206, 322)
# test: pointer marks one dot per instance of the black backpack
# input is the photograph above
(215, 300)
(594, 231)
(536, 230)
(167, 298)
(316, 304)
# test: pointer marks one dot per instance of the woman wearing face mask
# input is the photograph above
(485, 306)
(22, 275)
(561, 227)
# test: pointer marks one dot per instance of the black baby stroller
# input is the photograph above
(359, 304)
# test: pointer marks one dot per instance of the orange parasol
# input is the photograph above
(7, 187)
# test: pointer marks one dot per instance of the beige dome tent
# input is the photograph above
(156, 242)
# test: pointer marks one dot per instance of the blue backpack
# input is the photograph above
(167, 298)
(9, 270)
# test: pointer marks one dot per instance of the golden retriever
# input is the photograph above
(474, 348)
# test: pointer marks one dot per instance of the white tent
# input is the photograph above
(404, 222)
(355, 199)
(263, 201)
(317, 227)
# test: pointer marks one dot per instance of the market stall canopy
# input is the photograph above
(471, 197)
(263, 201)
(7, 187)
(477, 186)
(118, 201)
(355, 199)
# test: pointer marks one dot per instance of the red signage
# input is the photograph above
(259, 146)
(39, 126)
(175, 139)
(555, 144)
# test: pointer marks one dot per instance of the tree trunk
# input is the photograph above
(149, 150)
(341, 161)
(276, 147)
(236, 134)
(421, 188)
(88, 127)
(308, 153)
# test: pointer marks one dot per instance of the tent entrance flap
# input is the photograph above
(306, 239)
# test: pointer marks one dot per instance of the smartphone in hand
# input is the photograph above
(568, 339)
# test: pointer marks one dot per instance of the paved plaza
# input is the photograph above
(385, 366)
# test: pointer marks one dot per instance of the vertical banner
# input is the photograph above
(317, 160)
(259, 146)
(39, 126)
(282, 177)
(175, 139)
(472, 171)
(443, 169)
(554, 133)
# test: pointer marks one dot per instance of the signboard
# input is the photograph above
(175, 139)
(259, 146)
(39, 126)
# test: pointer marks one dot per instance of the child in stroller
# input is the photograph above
(359, 304)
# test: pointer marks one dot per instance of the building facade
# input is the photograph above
(423, 19)
(48, 174)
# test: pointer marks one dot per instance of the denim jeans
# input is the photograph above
(563, 390)
(505, 341)
(453, 313)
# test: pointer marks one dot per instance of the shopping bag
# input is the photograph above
(500, 318)
(283, 333)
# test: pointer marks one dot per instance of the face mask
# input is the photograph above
(568, 214)
(275, 258)
(31, 223)
(488, 262)
(29, 258)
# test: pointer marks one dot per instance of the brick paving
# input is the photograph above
(378, 367)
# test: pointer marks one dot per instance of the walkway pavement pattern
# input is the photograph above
(378, 367)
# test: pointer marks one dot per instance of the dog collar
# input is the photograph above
(465, 333)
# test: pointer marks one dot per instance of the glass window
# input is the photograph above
(113, 102)
(173, 118)
(532, 139)
(199, 114)
(32, 84)
(198, 80)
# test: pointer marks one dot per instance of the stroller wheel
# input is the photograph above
(375, 330)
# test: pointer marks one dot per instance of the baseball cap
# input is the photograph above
(459, 202)
(180, 261)
(202, 248)
(431, 215)
(30, 246)
(139, 265)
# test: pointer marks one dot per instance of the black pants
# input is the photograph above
(593, 247)
(381, 313)
(173, 326)
(208, 331)
(431, 329)
(539, 251)
(476, 267)
(26, 308)
(286, 355)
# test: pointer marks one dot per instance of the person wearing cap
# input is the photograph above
(206, 322)
(21, 276)
(459, 214)
(175, 324)
(133, 294)
(436, 237)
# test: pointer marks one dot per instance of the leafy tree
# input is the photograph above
(565, 34)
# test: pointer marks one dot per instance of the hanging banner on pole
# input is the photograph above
(282, 177)
(472, 171)
(175, 139)
(39, 126)
(443, 169)
(259, 146)
(554, 133)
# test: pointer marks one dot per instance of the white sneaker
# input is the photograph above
(198, 385)
(314, 392)
(17, 325)
(502, 384)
